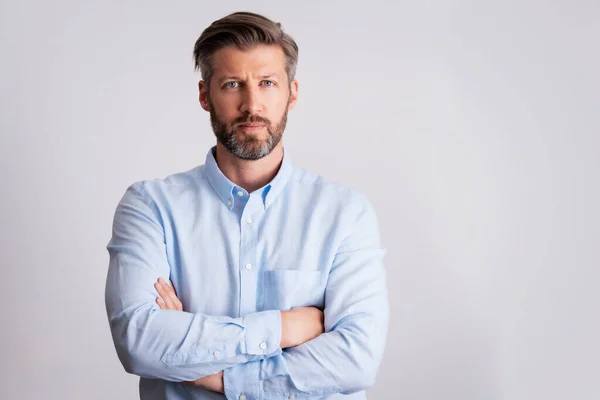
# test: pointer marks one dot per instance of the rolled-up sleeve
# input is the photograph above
(166, 344)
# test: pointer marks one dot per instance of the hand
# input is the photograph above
(168, 300)
(211, 382)
(300, 325)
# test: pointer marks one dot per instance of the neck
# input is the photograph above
(249, 174)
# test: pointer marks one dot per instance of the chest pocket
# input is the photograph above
(284, 289)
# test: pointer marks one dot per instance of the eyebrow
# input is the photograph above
(237, 78)
(229, 78)
(267, 76)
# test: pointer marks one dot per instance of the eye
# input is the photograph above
(231, 85)
(268, 83)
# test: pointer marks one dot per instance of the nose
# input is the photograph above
(251, 103)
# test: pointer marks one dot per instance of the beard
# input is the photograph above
(250, 147)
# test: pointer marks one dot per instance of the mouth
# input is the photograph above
(251, 127)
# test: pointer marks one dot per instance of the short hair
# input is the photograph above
(243, 30)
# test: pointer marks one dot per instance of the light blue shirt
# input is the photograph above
(236, 260)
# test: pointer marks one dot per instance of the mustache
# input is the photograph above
(247, 119)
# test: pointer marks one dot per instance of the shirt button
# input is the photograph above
(248, 267)
(229, 203)
(240, 193)
(216, 353)
(242, 397)
(292, 397)
(249, 220)
(263, 345)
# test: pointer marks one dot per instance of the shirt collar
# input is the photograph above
(225, 188)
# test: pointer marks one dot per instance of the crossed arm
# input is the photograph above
(298, 326)
(181, 346)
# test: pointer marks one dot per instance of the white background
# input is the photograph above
(473, 127)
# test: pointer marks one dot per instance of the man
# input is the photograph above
(247, 277)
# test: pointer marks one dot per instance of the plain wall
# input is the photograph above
(473, 127)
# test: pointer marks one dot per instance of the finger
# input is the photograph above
(166, 297)
(161, 303)
(162, 295)
(172, 297)
(172, 287)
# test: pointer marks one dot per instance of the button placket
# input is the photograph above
(248, 276)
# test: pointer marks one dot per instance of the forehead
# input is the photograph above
(256, 60)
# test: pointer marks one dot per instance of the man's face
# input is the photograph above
(248, 99)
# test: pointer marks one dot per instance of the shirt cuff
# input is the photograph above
(263, 334)
(241, 382)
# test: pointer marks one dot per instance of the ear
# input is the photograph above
(203, 95)
(293, 94)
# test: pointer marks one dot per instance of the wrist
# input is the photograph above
(220, 384)
(215, 383)
(284, 330)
